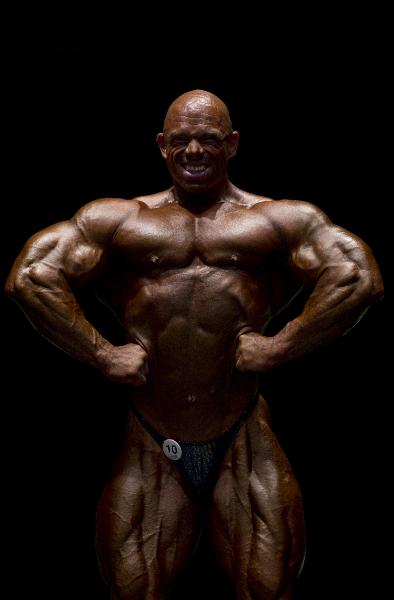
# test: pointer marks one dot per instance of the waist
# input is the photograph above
(194, 413)
(228, 432)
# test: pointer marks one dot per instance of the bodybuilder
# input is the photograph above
(194, 273)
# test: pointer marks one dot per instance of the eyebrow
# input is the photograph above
(206, 133)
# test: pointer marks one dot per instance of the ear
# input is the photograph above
(161, 144)
(232, 144)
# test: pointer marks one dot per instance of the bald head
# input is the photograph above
(196, 104)
(197, 142)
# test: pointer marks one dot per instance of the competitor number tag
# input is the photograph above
(172, 449)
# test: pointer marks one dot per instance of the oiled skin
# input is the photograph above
(193, 274)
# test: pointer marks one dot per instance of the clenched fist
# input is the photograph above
(254, 352)
(125, 364)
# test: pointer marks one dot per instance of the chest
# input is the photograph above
(166, 239)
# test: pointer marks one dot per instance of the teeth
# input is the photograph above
(195, 168)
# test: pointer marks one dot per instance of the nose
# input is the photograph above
(194, 148)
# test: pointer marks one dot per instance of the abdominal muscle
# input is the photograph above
(189, 322)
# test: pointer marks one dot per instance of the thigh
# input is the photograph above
(257, 523)
(146, 523)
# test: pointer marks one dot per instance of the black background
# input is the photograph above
(82, 124)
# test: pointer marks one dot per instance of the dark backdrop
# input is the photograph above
(83, 125)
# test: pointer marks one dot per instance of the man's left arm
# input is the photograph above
(342, 274)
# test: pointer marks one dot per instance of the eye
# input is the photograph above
(211, 141)
(178, 142)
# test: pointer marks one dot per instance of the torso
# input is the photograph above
(185, 286)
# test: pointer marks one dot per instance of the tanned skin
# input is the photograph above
(194, 273)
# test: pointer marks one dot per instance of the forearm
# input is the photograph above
(309, 331)
(54, 312)
(331, 310)
(336, 304)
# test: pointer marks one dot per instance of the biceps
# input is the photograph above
(82, 262)
(337, 254)
(306, 262)
(57, 254)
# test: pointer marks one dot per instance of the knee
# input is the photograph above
(130, 584)
(265, 582)
(126, 576)
(259, 591)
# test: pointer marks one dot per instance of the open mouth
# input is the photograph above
(195, 169)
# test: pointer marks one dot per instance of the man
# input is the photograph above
(194, 273)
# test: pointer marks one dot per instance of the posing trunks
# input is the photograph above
(200, 461)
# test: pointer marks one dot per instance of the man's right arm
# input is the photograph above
(41, 282)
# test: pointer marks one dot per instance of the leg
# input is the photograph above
(146, 524)
(257, 523)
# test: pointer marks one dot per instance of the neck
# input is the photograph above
(200, 201)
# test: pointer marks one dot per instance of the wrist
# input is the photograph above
(102, 355)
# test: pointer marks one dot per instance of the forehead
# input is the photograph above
(195, 116)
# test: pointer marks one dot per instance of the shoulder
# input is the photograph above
(287, 221)
(295, 211)
(103, 216)
(281, 212)
(293, 218)
(99, 220)
(111, 212)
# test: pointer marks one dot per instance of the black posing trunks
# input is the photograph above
(200, 461)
